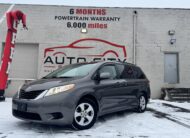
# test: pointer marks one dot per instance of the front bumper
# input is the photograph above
(56, 109)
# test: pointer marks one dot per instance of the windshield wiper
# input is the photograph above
(54, 77)
(65, 77)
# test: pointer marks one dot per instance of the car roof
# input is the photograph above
(124, 63)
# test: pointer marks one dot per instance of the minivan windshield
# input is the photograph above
(69, 71)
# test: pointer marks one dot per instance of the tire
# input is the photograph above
(142, 103)
(85, 114)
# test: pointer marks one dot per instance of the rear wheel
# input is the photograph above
(85, 114)
(142, 102)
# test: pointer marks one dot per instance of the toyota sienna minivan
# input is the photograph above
(79, 93)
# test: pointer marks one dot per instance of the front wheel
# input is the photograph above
(85, 114)
(142, 102)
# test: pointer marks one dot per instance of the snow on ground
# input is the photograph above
(161, 120)
(185, 105)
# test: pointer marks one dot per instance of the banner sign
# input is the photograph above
(93, 18)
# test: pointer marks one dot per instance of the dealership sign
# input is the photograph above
(86, 49)
(83, 50)
(92, 18)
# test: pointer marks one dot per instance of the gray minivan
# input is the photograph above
(79, 93)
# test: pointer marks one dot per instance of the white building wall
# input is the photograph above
(152, 39)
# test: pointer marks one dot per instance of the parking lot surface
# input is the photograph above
(162, 119)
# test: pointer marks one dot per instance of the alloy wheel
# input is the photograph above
(84, 114)
(142, 103)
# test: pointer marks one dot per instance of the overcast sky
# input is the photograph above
(109, 3)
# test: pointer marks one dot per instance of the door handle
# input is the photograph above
(120, 84)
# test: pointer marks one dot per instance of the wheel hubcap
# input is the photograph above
(142, 102)
(84, 114)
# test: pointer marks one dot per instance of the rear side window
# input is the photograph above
(110, 69)
(138, 74)
(125, 71)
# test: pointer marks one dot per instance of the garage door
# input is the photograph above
(24, 66)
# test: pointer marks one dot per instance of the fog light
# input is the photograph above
(57, 115)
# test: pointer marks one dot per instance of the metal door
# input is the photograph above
(171, 68)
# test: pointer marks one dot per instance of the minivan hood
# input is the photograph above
(45, 84)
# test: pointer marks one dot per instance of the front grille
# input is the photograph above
(26, 115)
(29, 95)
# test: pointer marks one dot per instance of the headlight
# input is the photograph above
(59, 89)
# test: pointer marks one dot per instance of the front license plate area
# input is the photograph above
(22, 107)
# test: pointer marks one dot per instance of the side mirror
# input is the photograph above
(104, 75)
